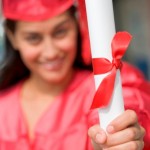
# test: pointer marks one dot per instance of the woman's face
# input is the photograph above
(47, 48)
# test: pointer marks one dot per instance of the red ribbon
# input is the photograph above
(104, 92)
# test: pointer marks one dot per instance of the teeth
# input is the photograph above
(52, 64)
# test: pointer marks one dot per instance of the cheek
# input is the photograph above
(70, 48)
(69, 44)
(29, 58)
(28, 54)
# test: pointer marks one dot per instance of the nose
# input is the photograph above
(50, 49)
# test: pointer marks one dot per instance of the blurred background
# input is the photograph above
(132, 16)
(1, 32)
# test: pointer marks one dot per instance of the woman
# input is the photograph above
(46, 86)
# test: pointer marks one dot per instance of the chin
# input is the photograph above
(56, 78)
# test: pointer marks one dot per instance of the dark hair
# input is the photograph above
(12, 69)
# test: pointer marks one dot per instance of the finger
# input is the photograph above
(96, 146)
(97, 134)
(130, 134)
(134, 145)
(128, 118)
(143, 132)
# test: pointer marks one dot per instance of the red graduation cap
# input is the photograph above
(36, 10)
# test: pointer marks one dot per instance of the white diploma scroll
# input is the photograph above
(102, 30)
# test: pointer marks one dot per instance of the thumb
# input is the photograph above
(97, 135)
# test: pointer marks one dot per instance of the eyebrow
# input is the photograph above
(62, 23)
(55, 28)
(30, 33)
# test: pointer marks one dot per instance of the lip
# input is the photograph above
(53, 65)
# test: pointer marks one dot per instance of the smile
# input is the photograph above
(53, 65)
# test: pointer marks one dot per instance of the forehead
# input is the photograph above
(44, 24)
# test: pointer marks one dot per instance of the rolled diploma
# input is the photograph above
(102, 30)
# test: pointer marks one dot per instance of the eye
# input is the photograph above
(60, 33)
(33, 39)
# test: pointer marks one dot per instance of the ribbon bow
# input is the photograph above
(104, 92)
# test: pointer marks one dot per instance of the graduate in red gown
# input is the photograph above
(47, 86)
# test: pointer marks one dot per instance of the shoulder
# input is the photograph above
(134, 83)
(87, 92)
(83, 85)
(82, 89)
(8, 96)
(83, 80)
(136, 89)
(133, 78)
(130, 74)
(136, 92)
(9, 112)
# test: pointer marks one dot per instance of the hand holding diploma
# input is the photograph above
(123, 133)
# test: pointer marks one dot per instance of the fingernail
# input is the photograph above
(110, 129)
(99, 138)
